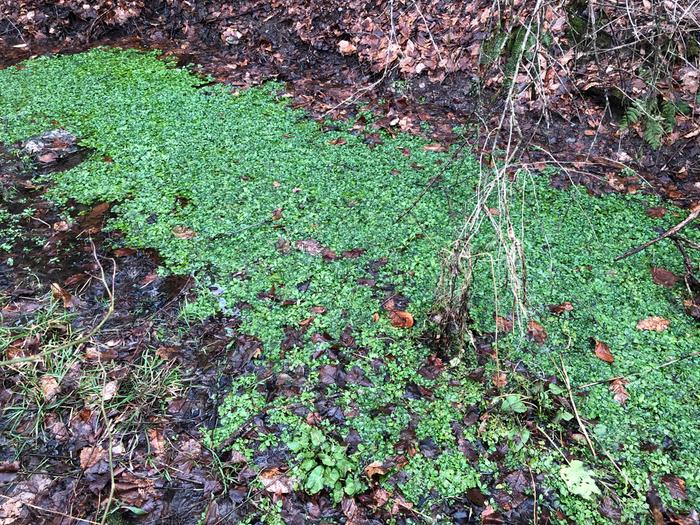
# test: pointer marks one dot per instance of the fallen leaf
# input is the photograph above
(499, 380)
(109, 390)
(275, 482)
(182, 232)
(61, 293)
(537, 332)
(338, 142)
(346, 48)
(375, 317)
(503, 325)
(376, 468)
(558, 309)
(277, 214)
(49, 387)
(61, 226)
(602, 352)
(663, 277)
(400, 319)
(617, 387)
(90, 456)
(653, 323)
(310, 246)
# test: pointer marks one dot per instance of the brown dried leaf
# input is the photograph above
(49, 387)
(503, 325)
(663, 277)
(602, 352)
(537, 332)
(276, 482)
(183, 232)
(90, 456)
(558, 309)
(617, 387)
(400, 319)
(376, 468)
(653, 323)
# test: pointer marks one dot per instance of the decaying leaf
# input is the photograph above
(276, 482)
(49, 387)
(617, 387)
(499, 380)
(62, 294)
(537, 332)
(503, 325)
(400, 319)
(183, 232)
(602, 352)
(653, 323)
(90, 456)
(558, 309)
(663, 277)
(109, 390)
(376, 468)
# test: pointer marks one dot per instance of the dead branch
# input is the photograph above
(694, 213)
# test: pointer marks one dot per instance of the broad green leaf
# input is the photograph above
(579, 480)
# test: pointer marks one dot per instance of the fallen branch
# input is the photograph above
(694, 213)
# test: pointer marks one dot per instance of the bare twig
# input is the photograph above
(694, 213)
(573, 405)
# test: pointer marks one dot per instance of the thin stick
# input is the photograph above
(432, 182)
(108, 429)
(694, 213)
(573, 404)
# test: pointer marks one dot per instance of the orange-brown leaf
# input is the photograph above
(375, 468)
(653, 323)
(617, 387)
(499, 379)
(400, 319)
(537, 332)
(558, 309)
(503, 325)
(602, 352)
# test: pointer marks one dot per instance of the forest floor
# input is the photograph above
(216, 309)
